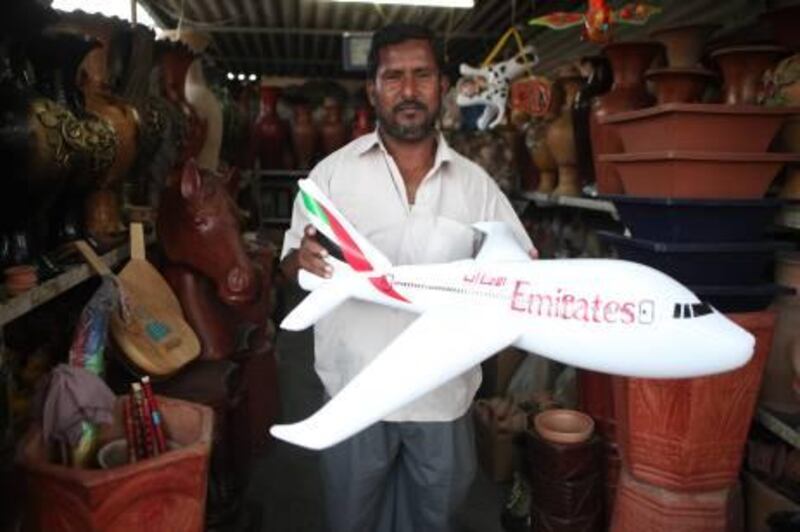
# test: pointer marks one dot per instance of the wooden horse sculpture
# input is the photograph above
(224, 294)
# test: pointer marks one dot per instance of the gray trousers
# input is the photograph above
(400, 477)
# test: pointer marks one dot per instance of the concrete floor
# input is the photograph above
(285, 495)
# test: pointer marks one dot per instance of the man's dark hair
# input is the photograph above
(396, 33)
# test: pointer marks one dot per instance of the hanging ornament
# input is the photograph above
(598, 19)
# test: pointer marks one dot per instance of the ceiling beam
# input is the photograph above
(327, 31)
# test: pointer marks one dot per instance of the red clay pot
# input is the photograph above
(679, 84)
(699, 127)
(743, 68)
(641, 507)
(689, 434)
(684, 44)
(629, 60)
(685, 174)
(167, 492)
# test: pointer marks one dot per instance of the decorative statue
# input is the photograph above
(489, 86)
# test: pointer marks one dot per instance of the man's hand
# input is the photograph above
(310, 257)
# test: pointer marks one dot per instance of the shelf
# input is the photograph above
(779, 427)
(21, 304)
(546, 200)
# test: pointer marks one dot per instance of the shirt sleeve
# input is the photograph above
(498, 208)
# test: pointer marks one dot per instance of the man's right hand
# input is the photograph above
(310, 257)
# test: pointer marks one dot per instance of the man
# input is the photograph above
(414, 198)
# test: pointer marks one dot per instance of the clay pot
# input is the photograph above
(699, 127)
(362, 124)
(333, 130)
(742, 70)
(684, 44)
(20, 278)
(271, 134)
(629, 61)
(679, 85)
(640, 506)
(598, 82)
(677, 174)
(561, 138)
(677, 434)
(562, 461)
(305, 137)
(564, 426)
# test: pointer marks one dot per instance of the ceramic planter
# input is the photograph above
(699, 127)
(679, 84)
(641, 506)
(684, 174)
(679, 434)
(684, 44)
(727, 263)
(742, 70)
(629, 61)
(690, 220)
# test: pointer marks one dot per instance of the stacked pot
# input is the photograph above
(692, 180)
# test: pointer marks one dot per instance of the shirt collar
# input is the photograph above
(370, 141)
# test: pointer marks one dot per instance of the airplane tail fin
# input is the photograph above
(353, 248)
(355, 261)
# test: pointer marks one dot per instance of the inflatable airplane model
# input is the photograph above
(603, 315)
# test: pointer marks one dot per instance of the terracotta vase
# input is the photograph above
(175, 59)
(561, 139)
(305, 137)
(598, 82)
(271, 134)
(684, 44)
(542, 157)
(679, 434)
(333, 130)
(742, 70)
(679, 85)
(629, 60)
(362, 124)
(781, 374)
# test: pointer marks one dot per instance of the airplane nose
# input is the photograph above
(734, 344)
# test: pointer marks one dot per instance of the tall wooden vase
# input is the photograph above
(561, 137)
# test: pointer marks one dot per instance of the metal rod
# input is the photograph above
(324, 31)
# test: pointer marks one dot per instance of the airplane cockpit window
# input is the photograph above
(691, 310)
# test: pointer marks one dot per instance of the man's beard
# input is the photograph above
(407, 132)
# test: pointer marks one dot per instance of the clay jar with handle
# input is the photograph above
(684, 44)
(629, 60)
(334, 132)
(561, 135)
(599, 82)
(271, 134)
(742, 70)
(305, 137)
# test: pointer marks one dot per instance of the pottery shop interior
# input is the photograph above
(400, 265)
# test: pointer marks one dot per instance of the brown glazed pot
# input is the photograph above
(642, 507)
(689, 434)
(679, 84)
(709, 175)
(684, 44)
(561, 138)
(699, 127)
(305, 137)
(629, 61)
(742, 70)
(333, 130)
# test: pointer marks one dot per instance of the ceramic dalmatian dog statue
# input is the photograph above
(489, 85)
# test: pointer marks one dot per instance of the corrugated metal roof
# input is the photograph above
(303, 37)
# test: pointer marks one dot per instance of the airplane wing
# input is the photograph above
(499, 244)
(441, 344)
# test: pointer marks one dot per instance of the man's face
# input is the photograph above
(407, 90)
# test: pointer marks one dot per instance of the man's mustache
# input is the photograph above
(410, 105)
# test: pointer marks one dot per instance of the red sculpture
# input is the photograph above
(270, 136)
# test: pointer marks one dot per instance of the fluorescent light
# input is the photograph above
(466, 4)
(110, 8)
(253, 77)
(231, 76)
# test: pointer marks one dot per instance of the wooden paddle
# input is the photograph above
(152, 333)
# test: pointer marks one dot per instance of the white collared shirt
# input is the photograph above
(364, 183)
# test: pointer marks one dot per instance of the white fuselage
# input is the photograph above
(620, 317)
